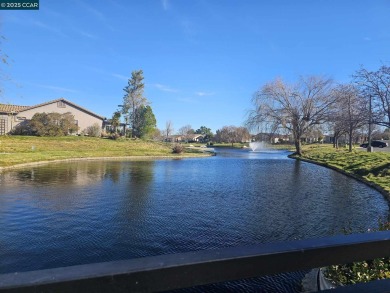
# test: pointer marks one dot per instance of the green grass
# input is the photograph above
(374, 167)
(16, 150)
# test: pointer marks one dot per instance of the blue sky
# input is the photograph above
(202, 59)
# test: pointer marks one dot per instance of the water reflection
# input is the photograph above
(85, 212)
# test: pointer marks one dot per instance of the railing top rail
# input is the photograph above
(167, 272)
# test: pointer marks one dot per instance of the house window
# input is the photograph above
(61, 104)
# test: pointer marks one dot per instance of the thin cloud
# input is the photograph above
(165, 88)
(91, 10)
(97, 14)
(203, 94)
(120, 76)
(50, 28)
(187, 100)
(87, 35)
(56, 88)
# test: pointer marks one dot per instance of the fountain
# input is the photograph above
(259, 146)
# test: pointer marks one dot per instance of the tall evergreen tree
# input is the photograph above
(134, 99)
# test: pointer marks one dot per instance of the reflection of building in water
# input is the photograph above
(64, 186)
(57, 186)
(80, 173)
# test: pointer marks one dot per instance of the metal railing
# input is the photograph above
(175, 271)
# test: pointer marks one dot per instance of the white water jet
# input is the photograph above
(258, 146)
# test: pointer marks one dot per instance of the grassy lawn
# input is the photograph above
(26, 149)
(374, 167)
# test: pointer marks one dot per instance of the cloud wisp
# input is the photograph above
(204, 94)
(120, 76)
(165, 88)
(55, 88)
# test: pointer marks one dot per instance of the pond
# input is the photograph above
(64, 214)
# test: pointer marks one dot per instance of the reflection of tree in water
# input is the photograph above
(113, 171)
(62, 186)
(78, 173)
(140, 175)
(58, 173)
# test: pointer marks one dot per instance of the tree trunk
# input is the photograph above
(350, 134)
(298, 147)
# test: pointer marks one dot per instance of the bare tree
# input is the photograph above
(376, 85)
(338, 130)
(168, 128)
(232, 134)
(185, 131)
(351, 113)
(295, 107)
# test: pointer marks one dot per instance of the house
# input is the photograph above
(13, 115)
(195, 137)
(271, 137)
(109, 128)
(174, 138)
(185, 138)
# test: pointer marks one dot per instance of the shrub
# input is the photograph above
(94, 130)
(362, 271)
(23, 128)
(114, 135)
(177, 148)
(53, 124)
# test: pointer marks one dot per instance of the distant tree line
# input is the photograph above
(313, 101)
(232, 134)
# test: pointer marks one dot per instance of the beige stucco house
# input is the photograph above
(12, 115)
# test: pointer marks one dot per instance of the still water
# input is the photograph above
(65, 214)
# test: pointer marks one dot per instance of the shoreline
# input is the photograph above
(371, 184)
(116, 158)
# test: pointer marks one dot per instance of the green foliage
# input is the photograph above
(208, 134)
(53, 124)
(24, 128)
(146, 122)
(363, 271)
(115, 120)
(134, 99)
(205, 131)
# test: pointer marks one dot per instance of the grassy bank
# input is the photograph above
(16, 150)
(373, 167)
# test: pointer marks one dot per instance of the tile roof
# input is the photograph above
(66, 101)
(7, 108)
